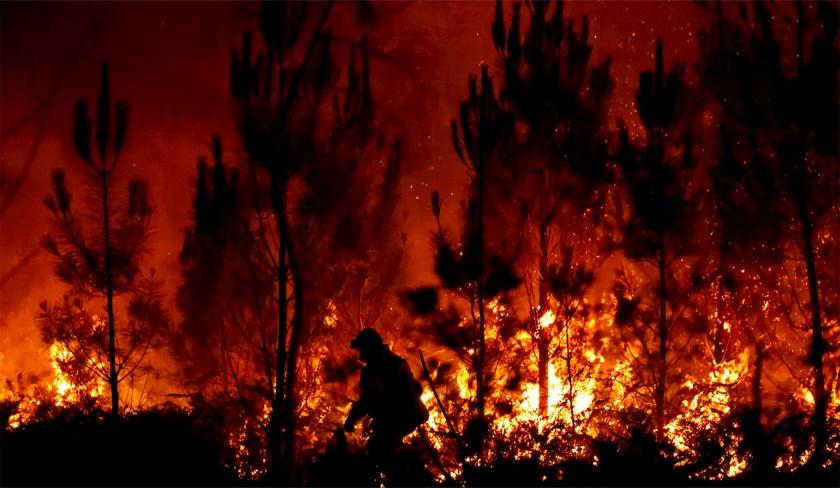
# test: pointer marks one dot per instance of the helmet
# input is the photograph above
(366, 339)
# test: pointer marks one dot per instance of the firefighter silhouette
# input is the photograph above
(389, 395)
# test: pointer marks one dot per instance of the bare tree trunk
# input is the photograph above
(282, 424)
(480, 379)
(818, 346)
(542, 337)
(290, 407)
(755, 437)
(113, 380)
(570, 378)
(817, 352)
(275, 423)
(756, 380)
(717, 347)
(663, 345)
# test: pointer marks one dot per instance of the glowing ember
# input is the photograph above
(618, 263)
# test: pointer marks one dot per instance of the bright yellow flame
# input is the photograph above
(807, 396)
(330, 318)
(706, 409)
(547, 319)
(66, 391)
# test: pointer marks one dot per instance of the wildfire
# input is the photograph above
(581, 407)
(547, 319)
(67, 392)
(591, 404)
(62, 391)
(558, 395)
(705, 411)
(582, 395)
(26, 408)
(795, 456)
(247, 442)
(806, 395)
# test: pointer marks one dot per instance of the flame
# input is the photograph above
(706, 409)
(248, 443)
(547, 319)
(579, 410)
(62, 391)
(330, 318)
(807, 396)
(558, 393)
(66, 391)
(793, 457)
(25, 412)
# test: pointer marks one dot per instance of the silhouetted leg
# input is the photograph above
(382, 448)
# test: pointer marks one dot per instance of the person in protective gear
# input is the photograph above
(389, 395)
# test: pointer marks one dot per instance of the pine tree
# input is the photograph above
(212, 252)
(474, 268)
(324, 167)
(561, 98)
(789, 118)
(102, 257)
(479, 137)
(659, 190)
(270, 91)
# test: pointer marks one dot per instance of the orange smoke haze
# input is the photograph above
(170, 61)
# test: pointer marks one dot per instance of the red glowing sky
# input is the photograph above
(170, 62)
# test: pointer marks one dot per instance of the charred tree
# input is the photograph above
(569, 283)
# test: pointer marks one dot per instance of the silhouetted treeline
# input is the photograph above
(647, 301)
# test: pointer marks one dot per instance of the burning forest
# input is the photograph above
(414, 244)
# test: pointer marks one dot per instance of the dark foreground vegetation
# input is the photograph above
(162, 446)
(170, 446)
(648, 302)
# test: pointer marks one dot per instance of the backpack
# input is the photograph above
(405, 391)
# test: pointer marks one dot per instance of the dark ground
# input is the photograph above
(171, 447)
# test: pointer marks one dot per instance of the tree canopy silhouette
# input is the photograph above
(99, 255)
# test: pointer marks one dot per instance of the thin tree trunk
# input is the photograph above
(717, 347)
(285, 404)
(480, 380)
(663, 345)
(275, 423)
(543, 336)
(570, 378)
(756, 380)
(113, 380)
(290, 407)
(817, 351)
(756, 437)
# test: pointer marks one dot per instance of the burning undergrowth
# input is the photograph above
(609, 302)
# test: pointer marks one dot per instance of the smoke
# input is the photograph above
(170, 62)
